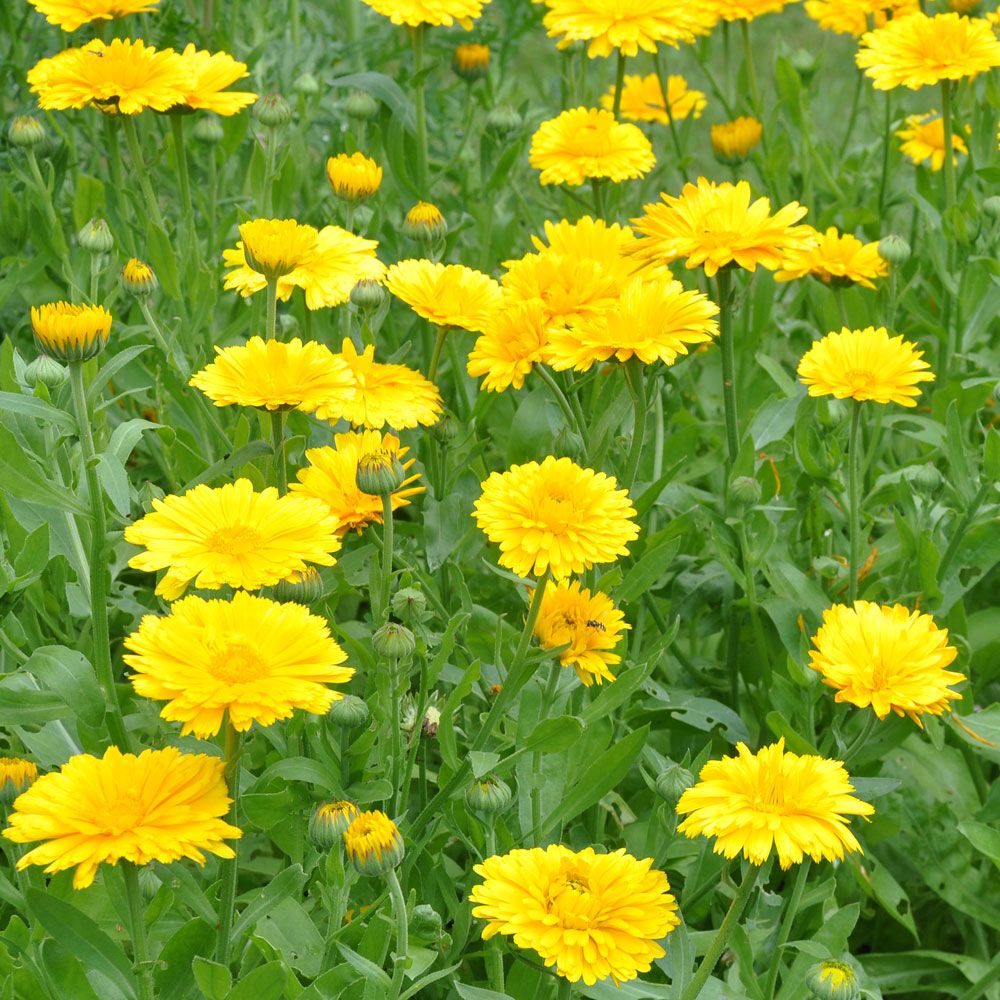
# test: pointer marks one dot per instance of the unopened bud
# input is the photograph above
(831, 980)
(745, 491)
(368, 295)
(329, 821)
(425, 222)
(673, 783)
(349, 712)
(894, 250)
(502, 120)
(307, 588)
(394, 641)
(208, 129)
(409, 604)
(26, 131)
(359, 104)
(380, 473)
(45, 371)
(272, 111)
(307, 85)
(488, 796)
(138, 279)
(96, 237)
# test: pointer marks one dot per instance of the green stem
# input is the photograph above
(560, 397)
(958, 534)
(597, 186)
(294, 16)
(420, 106)
(854, 501)
(565, 989)
(395, 720)
(537, 779)
(95, 276)
(886, 146)
(180, 155)
(619, 83)
(664, 77)
(170, 353)
(718, 945)
(838, 294)
(723, 279)
(270, 156)
(386, 580)
(135, 152)
(791, 910)
(98, 563)
(137, 931)
(440, 333)
(278, 418)
(399, 959)
(950, 194)
(852, 116)
(635, 378)
(950, 198)
(230, 869)
(871, 720)
(271, 293)
(494, 947)
(751, 70)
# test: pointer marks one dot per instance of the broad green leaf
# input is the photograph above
(289, 883)
(214, 980)
(265, 983)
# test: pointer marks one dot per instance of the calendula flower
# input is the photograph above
(642, 99)
(445, 294)
(514, 340)
(835, 258)
(923, 140)
(276, 375)
(72, 14)
(384, 394)
(162, 805)
(122, 76)
(209, 74)
(249, 657)
(373, 843)
(773, 800)
(889, 659)
(655, 319)
(15, 776)
(918, 50)
(471, 61)
(851, 17)
(592, 916)
(865, 364)
(589, 623)
(587, 143)
(713, 225)
(354, 176)
(69, 332)
(416, 12)
(745, 10)
(732, 141)
(627, 28)
(232, 536)
(331, 478)
(555, 516)
(275, 247)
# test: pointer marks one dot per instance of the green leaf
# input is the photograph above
(163, 260)
(114, 481)
(289, 883)
(478, 993)
(32, 406)
(214, 980)
(368, 969)
(70, 675)
(88, 199)
(265, 983)
(984, 838)
(641, 577)
(174, 965)
(22, 705)
(22, 478)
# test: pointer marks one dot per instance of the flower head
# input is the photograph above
(592, 916)
(865, 364)
(712, 225)
(162, 805)
(512, 343)
(72, 14)
(918, 50)
(329, 821)
(732, 141)
(209, 74)
(588, 622)
(471, 61)
(249, 657)
(424, 222)
(121, 76)
(890, 659)
(331, 477)
(373, 843)
(445, 294)
(850, 17)
(835, 258)
(232, 536)
(773, 800)
(15, 776)
(655, 319)
(138, 278)
(275, 247)
(745, 10)
(438, 12)
(923, 140)
(384, 394)
(587, 143)
(555, 516)
(70, 332)
(354, 176)
(830, 980)
(642, 99)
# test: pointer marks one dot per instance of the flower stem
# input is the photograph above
(399, 959)
(272, 308)
(861, 739)
(494, 947)
(98, 563)
(420, 106)
(635, 378)
(278, 418)
(886, 131)
(137, 931)
(395, 722)
(537, 779)
(565, 989)
(718, 945)
(950, 198)
(854, 501)
(597, 186)
(838, 294)
(386, 581)
(180, 154)
(950, 195)
(135, 152)
(791, 910)
(560, 397)
(441, 333)
(619, 83)
(723, 280)
(230, 871)
(751, 69)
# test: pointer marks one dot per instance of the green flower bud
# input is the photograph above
(307, 589)
(425, 222)
(96, 237)
(831, 980)
(349, 712)
(928, 479)
(45, 371)
(359, 104)
(138, 279)
(380, 473)
(272, 111)
(208, 129)
(368, 295)
(489, 797)
(991, 207)
(409, 604)
(394, 641)
(502, 121)
(329, 821)
(446, 429)
(804, 63)
(307, 85)
(426, 922)
(894, 250)
(673, 783)
(26, 132)
(745, 491)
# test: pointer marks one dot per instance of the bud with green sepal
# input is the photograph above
(349, 712)
(394, 641)
(489, 796)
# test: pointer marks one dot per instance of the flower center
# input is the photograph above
(860, 378)
(237, 663)
(570, 900)
(235, 541)
(124, 814)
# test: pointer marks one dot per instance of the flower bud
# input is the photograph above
(831, 980)
(425, 222)
(432, 719)
(425, 922)
(894, 250)
(673, 783)
(307, 85)
(804, 63)
(367, 295)
(26, 131)
(745, 491)
(373, 843)
(45, 370)
(329, 821)
(471, 62)
(732, 141)
(991, 207)
(360, 105)
(502, 120)
(96, 237)
(409, 604)
(488, 797)
(138, 279)
(307, 588)
(380, 473)
(349, 712)
(208, 129)
(446, 429)
(928, 479)
(394, 641)
(69, 332)
(16, 775)
(272, 111)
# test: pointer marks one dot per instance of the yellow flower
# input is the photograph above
(593, 916)
(732, 141)
(918, 50)
(15, 776)
(122, 76)
(373, 843)
(338, 261)
(471, 61)
(773, 800)
(712, 225)
(586, 143)
(250, 657)
(890, 659)
(276, 375)
(331, 475)
(589, 623)
(923, 140)
(70, 332)
(554, 516)
(627, 27)
(642, 99)
(353, 177)
(963, 6)
(745, 10)
(162, 805)
(850, 17)
(275, 247)
(138, 278)
(209, 73)
(865, 364)
(439, 12)
(384, 394)
(329, 821)
(835, 258)
(232, 536)
(655, 319)
(72, 14)
(512, 343)
(445, 294)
